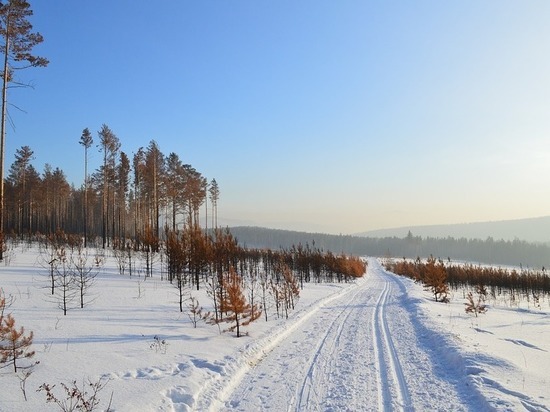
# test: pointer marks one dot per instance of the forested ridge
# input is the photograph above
(489, 251)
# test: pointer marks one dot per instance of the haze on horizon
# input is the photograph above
(337, 117)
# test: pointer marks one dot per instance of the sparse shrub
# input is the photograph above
(195, 311)
(83, 272)
(159, 345)
(536, 300)
(475, 306)
(76, 398)
(120, 255)
(23, 376)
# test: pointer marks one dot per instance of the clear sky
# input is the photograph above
(332, 116)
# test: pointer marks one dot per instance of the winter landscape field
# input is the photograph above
(376, 343)
(330, 136)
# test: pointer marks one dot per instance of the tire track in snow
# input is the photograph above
(307, 366)
(217, 391)
(361, 351)
(388, 365)
(320, 359)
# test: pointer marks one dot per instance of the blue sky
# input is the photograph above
(332, 116)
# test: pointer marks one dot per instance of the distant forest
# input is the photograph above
(488, 251)
(534, 229)
(125, 198)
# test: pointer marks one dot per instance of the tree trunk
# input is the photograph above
(3, 134)
(85, 197)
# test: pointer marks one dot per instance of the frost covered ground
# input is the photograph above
(380, 343)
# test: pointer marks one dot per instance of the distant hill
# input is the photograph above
(531, 230)
(489, 250)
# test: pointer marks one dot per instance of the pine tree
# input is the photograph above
(19, 40)
(18, 176)
(175, 182)
(110, 146)
(214, 196)
(154, 182)
(233, 305)
(435, 279)
(195, 193)
(86, 140)
(14, 345)
(123, 186)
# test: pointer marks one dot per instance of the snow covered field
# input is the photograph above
(380, 343)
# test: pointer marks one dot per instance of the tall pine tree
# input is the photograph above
(19, 40)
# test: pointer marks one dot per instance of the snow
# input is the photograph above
(379, 343)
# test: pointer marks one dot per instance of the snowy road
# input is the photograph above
(361, 351)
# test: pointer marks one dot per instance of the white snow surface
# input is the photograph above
(380, 343)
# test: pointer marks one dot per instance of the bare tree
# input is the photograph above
(84, 272)
(195, 311)
(49, 252)
(65, 288)
(264, 288)
(213, 289)
(176, 253)
(75, 398)
(252, 285)
(149, 247)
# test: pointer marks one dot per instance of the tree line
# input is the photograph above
(439, 277)
(190, 260)
(243, 284)
(490, 251)
(125, 198)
